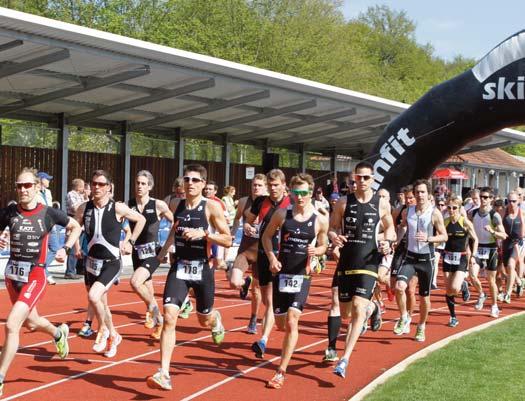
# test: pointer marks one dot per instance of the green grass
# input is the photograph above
(489, 365)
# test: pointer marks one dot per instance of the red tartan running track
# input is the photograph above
(201, 370)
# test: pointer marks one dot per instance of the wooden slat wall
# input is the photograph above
(164, 172)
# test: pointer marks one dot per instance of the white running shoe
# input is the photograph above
(113, 342)
(101, 341)
(494, 311)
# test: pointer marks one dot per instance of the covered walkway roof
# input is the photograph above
(98, 79)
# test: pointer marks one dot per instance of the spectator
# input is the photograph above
(230, 203)
(441, 190)
(334, 197)
(320, 202)
(333, 186)
(74, 199)
(53, 245)
(87, 191)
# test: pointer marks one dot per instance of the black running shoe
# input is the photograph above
(243, 292)
(375, 318)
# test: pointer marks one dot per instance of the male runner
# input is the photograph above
(102, 218)
(247, 254)
(194, 218)
(303, 235)
(353, 227)
(146, 247)
(262, 211)
(420, 221)
(488, 226)
(29, 225)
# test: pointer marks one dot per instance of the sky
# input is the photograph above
(454, 27)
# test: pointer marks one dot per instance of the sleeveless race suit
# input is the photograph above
(263, 207)
(147, 245)
(360, 259)
(102, 231)
(25, 276)
(191, 268)
(420, 255)
(292, 284)
(487, 255)
(455, 255)
(514, 238)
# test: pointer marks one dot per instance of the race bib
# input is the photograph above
(452, 258)
(18, 271)
(290, 283)
(94, 266)
(145, 251)
(483, 253)
(190, 270)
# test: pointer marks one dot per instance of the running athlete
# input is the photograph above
(102, 219)
(420, 221)
(144, 254)
(514, 225)
(353, 227)
(489, 229)
(194, 218)
(262, 210)
(455, 261)
(29, 225)
(247, 254)
(303, 235)
(334, 313)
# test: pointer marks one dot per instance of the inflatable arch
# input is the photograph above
(474, 104)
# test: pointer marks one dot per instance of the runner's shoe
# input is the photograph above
(375, 318)
(243, 292)
(494, 311)
(519, 288)
(252, 326)
(62, 344)
(402, 327)
(159, 381)
(101, 341)
(149, 323)
(453, 322)
(157, 332)
(481, 301)
(259, 347)
(111, 348)
(330, 355)
(465, 292)
(217, 332)
(501, 296)
(340, 368)
(420, 334)
(506, 298)
(186, 309)
(86, 331)
(277, 381)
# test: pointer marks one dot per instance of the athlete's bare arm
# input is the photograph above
(124, 212)
(74, 230)
(402, 227)
(335, 228)
(499, 231)
(171, 236)
(222, 235)
(275, 224)
(470, 230)
(322, 237)
(163, 211)
(238, 215)
(439, 225)
(389, 232)
(248, 227)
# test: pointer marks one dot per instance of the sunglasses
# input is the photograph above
(26, 185)
(98, 184)
(485, 197)
(513, 200)
(301, 192)
(192, 179)
(362, 177)
(452, 207)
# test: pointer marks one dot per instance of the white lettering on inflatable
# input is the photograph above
(394, 147)
(512, 90)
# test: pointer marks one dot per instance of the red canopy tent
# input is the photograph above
(449, 174)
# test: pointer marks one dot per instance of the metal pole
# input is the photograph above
(126, 152)
(63, 158)
(226, 157)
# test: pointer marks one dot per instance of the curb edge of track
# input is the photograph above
(401, 366)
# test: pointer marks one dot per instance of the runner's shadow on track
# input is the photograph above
(129, 314)
(104, 381)
(141, 338)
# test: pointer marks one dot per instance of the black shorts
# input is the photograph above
(282, 301)
(263, 269)
(150, 264)
(358, 284)
(109, 273)
(176, 289)
(423, 266)
(334, 279)
(397, 261)
(491, 263)
(462, 267)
